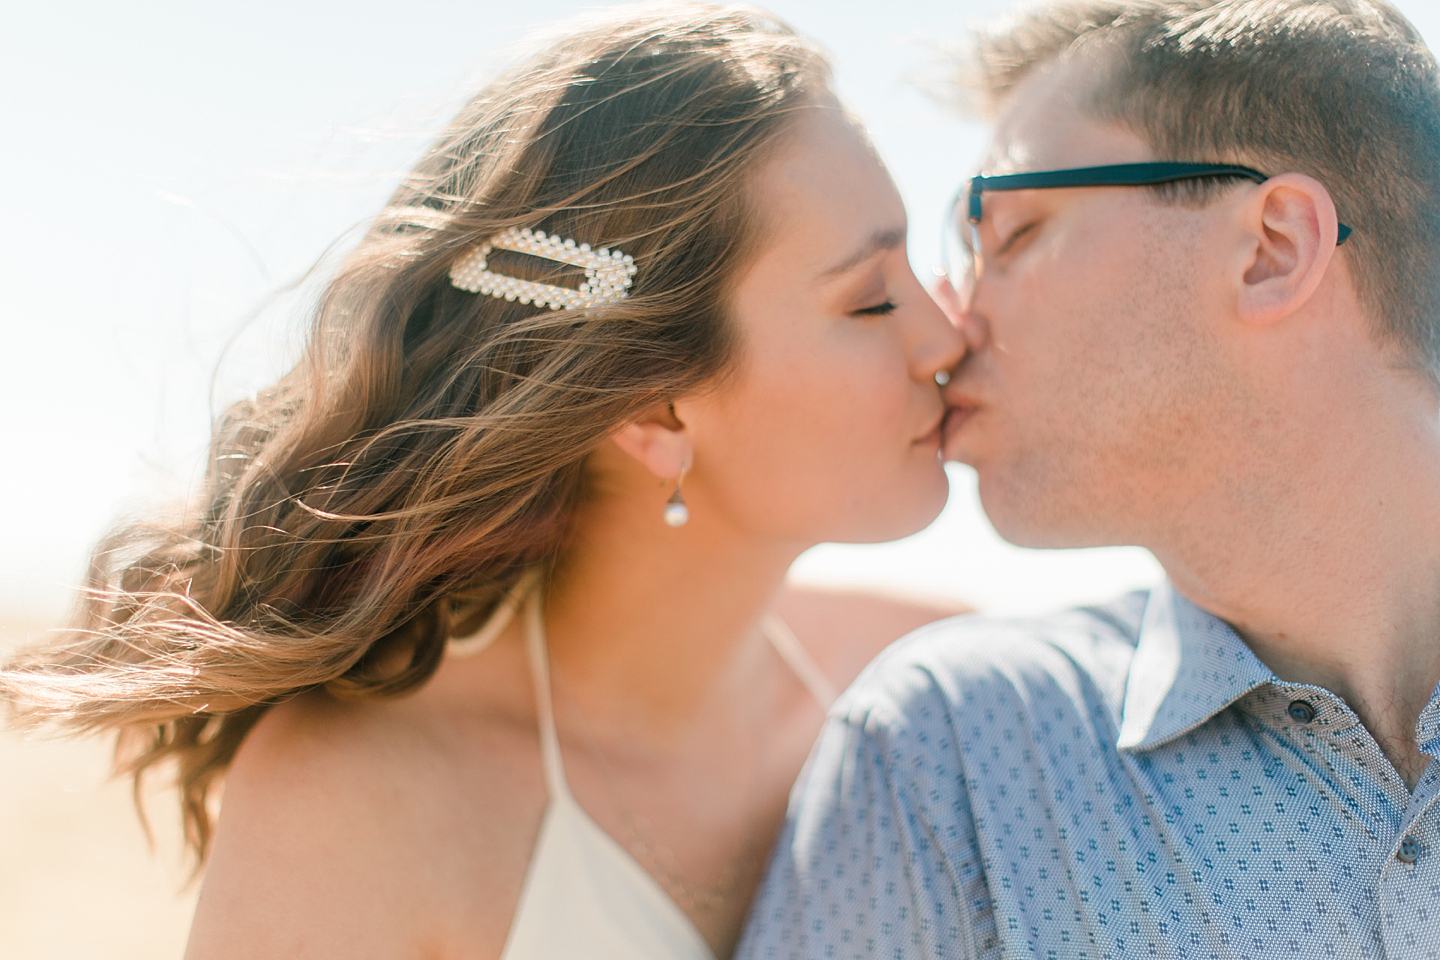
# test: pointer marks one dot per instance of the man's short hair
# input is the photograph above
(1342, 90)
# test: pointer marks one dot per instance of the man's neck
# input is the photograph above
(1330, 568)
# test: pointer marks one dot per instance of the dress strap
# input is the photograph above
(783, 639)
(539, 655)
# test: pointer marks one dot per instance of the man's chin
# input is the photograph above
(1034, 518)
(955, 448)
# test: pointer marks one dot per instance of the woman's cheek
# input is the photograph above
(880, 404)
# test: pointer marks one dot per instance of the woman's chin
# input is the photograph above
(933, 499)
(906, 515)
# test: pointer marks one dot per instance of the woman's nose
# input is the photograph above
(940, 348)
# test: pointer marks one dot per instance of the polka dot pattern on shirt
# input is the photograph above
(971, 798)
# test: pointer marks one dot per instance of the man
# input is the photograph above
(1238, 763)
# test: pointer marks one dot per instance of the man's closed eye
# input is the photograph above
(1015, 238)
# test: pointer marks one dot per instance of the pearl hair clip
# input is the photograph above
(608, 273)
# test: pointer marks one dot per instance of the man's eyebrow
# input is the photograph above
(881, 240)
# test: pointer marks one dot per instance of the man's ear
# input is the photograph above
(1291, 230)
(658, 441)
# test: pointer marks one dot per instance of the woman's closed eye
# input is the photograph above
(879, 310)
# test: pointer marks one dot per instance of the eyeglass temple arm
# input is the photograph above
(1118, 175)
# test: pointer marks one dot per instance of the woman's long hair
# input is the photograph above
(428, 448)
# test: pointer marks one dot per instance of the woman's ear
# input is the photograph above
(658, 441)
(1290, 236)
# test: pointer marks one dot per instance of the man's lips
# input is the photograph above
(958, 411)
(959, 414)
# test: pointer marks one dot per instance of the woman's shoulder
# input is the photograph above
(470, 720)
(844, 629)
(317, 743)
(366, 828)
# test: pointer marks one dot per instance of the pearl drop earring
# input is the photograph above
(677, 514)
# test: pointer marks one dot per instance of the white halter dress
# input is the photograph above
(585, 897)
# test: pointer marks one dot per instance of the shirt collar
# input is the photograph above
(1427, 728)
(1188, 666)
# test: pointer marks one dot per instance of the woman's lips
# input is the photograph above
(935, 436)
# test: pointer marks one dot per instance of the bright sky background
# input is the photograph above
(172, 163)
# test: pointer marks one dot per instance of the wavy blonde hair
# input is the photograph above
(429, 446)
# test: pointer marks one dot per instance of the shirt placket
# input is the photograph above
(1342, 761)
(1405, 825)
(1410, 878)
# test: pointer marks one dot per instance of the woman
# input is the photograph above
(477, 619)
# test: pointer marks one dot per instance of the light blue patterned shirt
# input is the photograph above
(1119, 781)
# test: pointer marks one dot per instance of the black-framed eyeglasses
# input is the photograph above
(959, 246)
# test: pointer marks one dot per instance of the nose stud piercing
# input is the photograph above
(677, 514)
(942, 377)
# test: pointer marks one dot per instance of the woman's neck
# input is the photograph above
(648, 623)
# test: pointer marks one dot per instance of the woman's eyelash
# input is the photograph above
(879, 310)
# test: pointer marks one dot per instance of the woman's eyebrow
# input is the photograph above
(881, 240)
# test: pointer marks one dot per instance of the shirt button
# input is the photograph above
(1301, 711)
(1409, 850)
